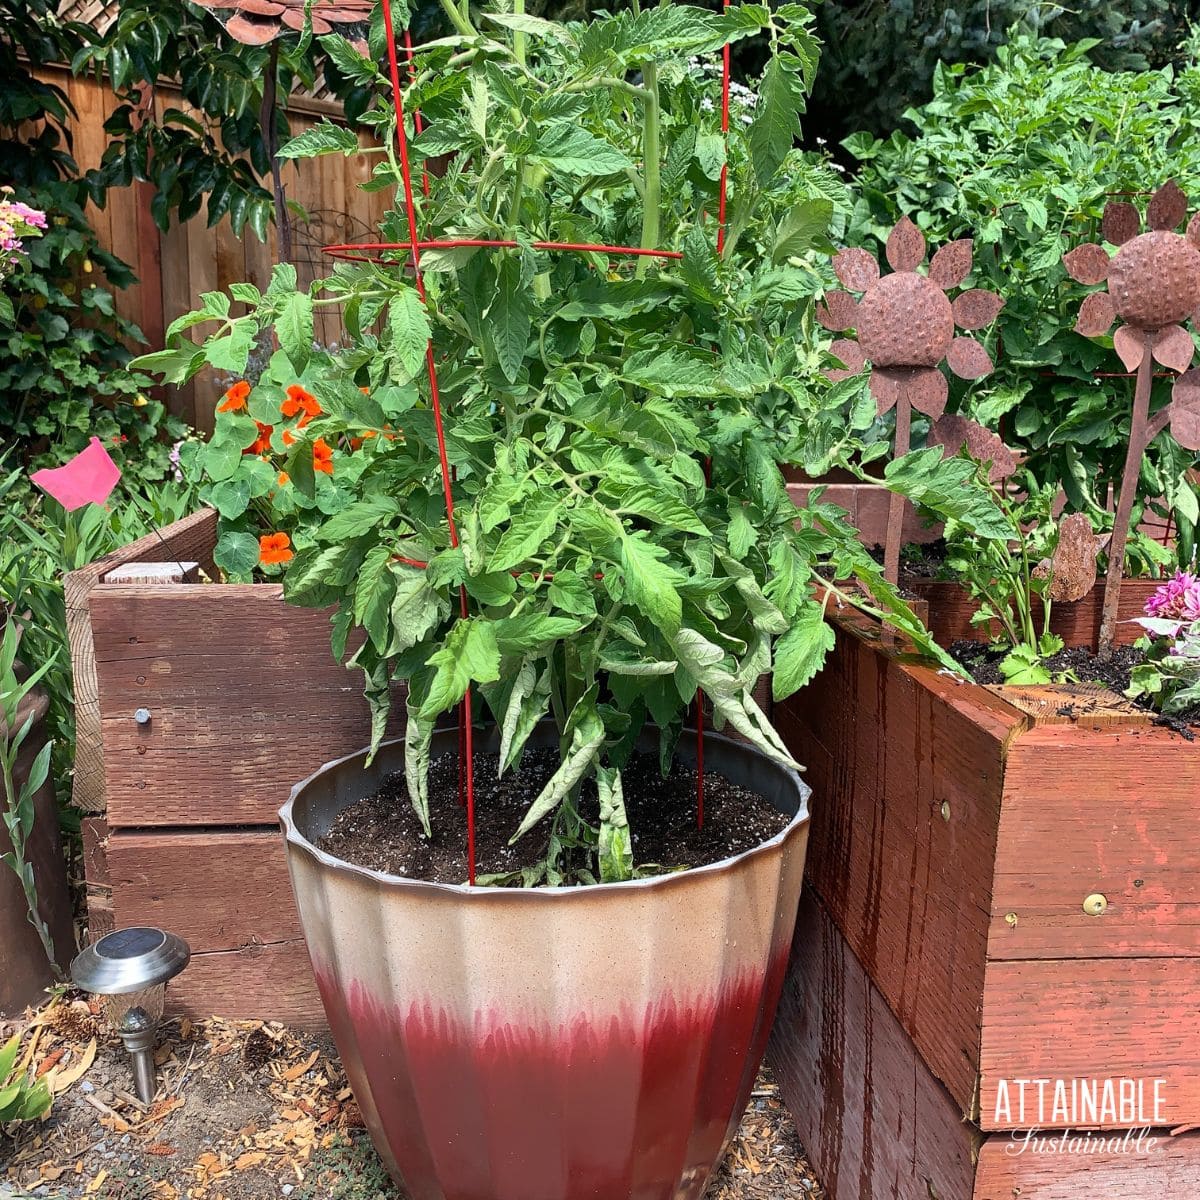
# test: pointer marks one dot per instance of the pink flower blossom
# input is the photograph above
(88, 478)
(1178, 599)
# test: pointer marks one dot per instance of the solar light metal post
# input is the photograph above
(128, 969)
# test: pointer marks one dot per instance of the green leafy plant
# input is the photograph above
(63, 346)
(1023, 155)
(21, 1098)
(19, 796)
(1169, 676)
(622, 536)
(1005, 546)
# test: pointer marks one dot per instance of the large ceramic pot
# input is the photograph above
(594, 1043)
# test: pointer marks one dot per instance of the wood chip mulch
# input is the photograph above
(251, 1110)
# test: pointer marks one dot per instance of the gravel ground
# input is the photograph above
(250, 1110)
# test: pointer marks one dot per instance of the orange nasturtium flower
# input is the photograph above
(284, 479)
(235, 398)
(262, 443)
(300, 401)
(322, 457)
(289, 438)
(275, 548)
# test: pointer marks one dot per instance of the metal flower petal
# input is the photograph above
(954, 433)
(1167, 208)
(952, 263)
(968, 359)
(838, 311)
(1096, 315)
(905, 248)
(1120, 222)
(927, 391)
(1087, 263)
(856, 268)
(1185, 410)
(976, 308)
(1130, 345)
(849, 352)
(1173, 347)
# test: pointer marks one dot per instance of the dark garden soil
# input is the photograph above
(249, 1111)
(382, 831)
(1080, 665)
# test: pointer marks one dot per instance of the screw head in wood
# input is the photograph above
(1095, 904)
(945, 810)
(142, 716)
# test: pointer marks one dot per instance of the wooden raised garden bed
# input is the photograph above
(244, 700)
(991, 896)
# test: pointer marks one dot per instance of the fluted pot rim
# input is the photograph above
(484, 894)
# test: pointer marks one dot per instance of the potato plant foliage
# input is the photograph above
(586, 396)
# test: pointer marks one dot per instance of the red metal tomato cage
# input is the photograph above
(383, 252)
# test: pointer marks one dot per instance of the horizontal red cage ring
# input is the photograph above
(373, 251)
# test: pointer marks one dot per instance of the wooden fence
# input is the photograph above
(175, 267)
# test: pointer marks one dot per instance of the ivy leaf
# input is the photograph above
(649, 584)
(323, 138)
(408, 329)
(295, 329)
(800, 653)
(510, 317)
(470, 653)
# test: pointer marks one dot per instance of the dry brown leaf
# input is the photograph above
(295, 1071)
(51, 1171)
(185, 1029)
(51, 1060)
(74, 1073)
(163, 1053)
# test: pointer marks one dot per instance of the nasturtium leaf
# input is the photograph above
(230, 497)
(236, 552)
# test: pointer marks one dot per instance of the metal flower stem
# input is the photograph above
(1138, 439)
(895, 523)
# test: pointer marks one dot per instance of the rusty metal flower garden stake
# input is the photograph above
(1153, 287)
(905, 325)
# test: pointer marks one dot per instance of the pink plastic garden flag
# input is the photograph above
(88, 478)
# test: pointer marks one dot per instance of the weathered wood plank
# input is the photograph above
(1095, 813)
(95, 872)
(906, 767)
(218, 889)
(1168, 1170)
(1093, 1018)
(875, 1123)
(259, 983)
(189, 540)
(244, 695)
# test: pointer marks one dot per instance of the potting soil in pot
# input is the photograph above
(382, 831)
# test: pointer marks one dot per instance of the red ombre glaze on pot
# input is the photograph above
(592, 1043)
(633, 1106)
